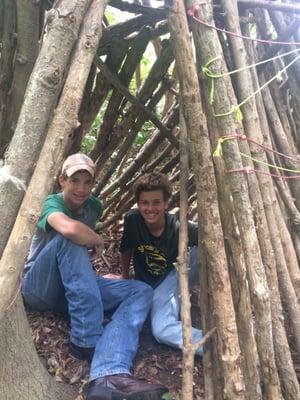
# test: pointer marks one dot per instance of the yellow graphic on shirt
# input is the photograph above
(154, 258)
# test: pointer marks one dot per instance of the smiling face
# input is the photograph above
(152, 207)
(76, 189)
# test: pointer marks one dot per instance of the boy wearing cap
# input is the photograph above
(151, 236)
(59, 277)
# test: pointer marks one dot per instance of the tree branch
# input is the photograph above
(152, 117)
(138, 9)
(269, 5)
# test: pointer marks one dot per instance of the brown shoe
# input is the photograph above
(123, 386)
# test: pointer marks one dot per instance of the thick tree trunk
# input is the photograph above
(22, 375)
(26, 54)
(7, 51)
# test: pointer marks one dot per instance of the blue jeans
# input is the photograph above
(165, 318)
(62, 279)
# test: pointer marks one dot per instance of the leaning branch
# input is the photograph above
(152, 117)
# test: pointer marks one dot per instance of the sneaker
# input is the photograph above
(123, 386)
(81, 353)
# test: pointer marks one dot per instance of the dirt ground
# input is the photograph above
(154, 362)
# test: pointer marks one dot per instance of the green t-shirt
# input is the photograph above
(153, 257)
(91, 211)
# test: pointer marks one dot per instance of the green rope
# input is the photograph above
(235, 108)
(219, 151)
(269, 165)
(207, 71)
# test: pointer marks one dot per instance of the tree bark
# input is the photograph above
(115, 105)
(143, 155)
(227, 125)
(41, 95)
(209, 220)
(253, 130)
(7, 51)
(91, 106)
(207, 48)
(64, 122)
(188, 351)
(133, 121)
(26, 54)
(282, 144)
(287, 375)
(22, 375)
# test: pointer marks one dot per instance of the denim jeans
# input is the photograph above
(165, 318)
(62, 279)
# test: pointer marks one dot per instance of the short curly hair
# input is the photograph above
(150, 182)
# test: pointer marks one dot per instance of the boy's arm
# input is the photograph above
(125, 263)
(76, 231)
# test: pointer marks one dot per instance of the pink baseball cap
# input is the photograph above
(78, 162)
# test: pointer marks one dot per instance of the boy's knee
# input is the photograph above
(66, 244)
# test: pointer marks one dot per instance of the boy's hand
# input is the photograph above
(96, 251)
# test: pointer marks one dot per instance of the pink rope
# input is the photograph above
(193, 11)
(244, 137)
(248, 170)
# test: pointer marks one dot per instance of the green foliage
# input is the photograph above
(143, 135)
(91, 137)
(115, 16)
(167, 396)
(146, 62)
(112, 18)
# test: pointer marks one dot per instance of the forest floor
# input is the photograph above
(154, 362)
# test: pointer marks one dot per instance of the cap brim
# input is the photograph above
(70, 171)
